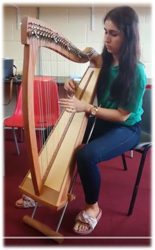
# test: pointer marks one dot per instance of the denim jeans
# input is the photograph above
(107, 141)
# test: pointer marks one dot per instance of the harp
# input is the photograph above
(49, 180)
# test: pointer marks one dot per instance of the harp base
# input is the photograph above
(49, 198)
(43, 229)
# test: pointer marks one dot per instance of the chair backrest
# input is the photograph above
(46, 97)
(46, 107)
(18, 107)
(147, 107)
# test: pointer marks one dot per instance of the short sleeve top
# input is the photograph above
(136, 99)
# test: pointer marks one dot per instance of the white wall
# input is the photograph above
(75, 24)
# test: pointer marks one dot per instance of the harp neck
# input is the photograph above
(39, 33)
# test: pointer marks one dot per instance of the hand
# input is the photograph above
(73, 105)
(95, 59)
(70, 86)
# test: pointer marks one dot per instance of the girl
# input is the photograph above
(120, 88)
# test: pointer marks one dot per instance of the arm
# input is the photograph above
(72, 104)
(113, 115)
(95, 61)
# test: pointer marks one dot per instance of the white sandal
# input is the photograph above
(25, 202)
(85, 218)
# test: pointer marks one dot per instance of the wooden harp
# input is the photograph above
(48, 181)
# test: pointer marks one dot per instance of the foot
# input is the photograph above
(86, 220)
(25, 202)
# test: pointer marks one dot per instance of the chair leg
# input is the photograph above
(131, 154)
(20, 135)
(124, 162)
(15, 138)
(138, 178)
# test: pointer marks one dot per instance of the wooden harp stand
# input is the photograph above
(53, 185)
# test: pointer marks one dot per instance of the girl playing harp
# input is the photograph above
(120, 88)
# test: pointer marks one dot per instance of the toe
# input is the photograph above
(76, 226)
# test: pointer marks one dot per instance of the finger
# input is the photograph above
(67, 105)
(70, 96)
(72, 85)
(69, 101)
(70, 110)
(69, 88)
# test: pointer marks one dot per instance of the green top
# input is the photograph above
(135, 103)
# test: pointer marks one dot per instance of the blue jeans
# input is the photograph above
(107, 141)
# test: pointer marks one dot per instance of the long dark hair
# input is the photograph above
(126, 20)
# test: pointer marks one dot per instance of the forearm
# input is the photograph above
(113, 115)
(72, 104)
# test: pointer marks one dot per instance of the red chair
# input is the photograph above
(149, 86)
(46, 107)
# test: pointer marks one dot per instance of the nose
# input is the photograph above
(107, 38)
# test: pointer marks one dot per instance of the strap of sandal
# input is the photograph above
(29, 203)
(86, 218)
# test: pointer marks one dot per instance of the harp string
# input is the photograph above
(45, 106)
(49, 111)
(46, 114)
(43, 37)
(38, 87)
(40, 115)
(48, 130)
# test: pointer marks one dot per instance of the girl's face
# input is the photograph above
(113, 38)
